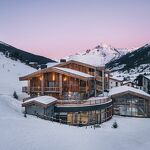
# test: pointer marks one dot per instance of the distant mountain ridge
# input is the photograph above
(132, 64)
(100, 55)
(21, 55)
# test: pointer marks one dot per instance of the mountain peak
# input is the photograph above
(103, 46)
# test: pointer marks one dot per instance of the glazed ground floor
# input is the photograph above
(129, 105)
(85, 117)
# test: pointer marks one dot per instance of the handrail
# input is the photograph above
(82, 102)
(51, 89)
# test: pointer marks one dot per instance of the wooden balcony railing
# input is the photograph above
(99, 78)
(39, 89)
(35, 89)
(52, 89)
(82, 89)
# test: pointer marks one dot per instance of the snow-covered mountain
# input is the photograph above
(132, 64)
(10, 71)
(100, 55)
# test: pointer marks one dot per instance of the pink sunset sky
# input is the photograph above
(56, 28)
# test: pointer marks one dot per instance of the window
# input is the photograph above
(116, 83)
(82, 83)
(53, 84)
(91, 70)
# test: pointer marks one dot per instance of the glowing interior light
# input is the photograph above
(53, 77)
(65, 78)
(41, 78)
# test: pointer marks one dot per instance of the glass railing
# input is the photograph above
(97, 101)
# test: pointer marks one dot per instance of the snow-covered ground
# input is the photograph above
(31, 133)
(10, 71)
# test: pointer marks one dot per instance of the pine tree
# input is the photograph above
(115, 125)
(15, 95)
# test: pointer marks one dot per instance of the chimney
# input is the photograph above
(43, 66)
(62, 60)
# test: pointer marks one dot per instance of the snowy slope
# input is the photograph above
(32, 133)
(100, 55)
(132, 64)
(10, 71)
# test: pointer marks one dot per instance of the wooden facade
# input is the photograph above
(68, 85)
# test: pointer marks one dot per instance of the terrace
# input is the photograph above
(83, 105)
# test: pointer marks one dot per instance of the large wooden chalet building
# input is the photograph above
(68, 80)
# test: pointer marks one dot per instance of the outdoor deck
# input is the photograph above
(82, 105)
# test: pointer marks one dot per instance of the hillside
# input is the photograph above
(100, 55)
(10, 71)
(21, 55)
(137, 61)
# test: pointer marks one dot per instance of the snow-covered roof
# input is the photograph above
(122, 89)
(147, 76)
(68, 70)
(117, 78)
(41, 99)
(51, 64)
(126, 82)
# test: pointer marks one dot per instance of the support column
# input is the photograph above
(103, 81)
(28, 88)
(60, 84)
(42, 84)
(87, 94)
(95, 83)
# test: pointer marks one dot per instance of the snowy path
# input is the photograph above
(31, 133)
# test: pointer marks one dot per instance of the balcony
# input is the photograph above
(39, 89)
(52, 89)
(35, 89)
(73, 87)
(83, 105)
(82, 89)
(99, 78)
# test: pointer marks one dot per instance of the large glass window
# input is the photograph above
(129, 105)
(53, 84)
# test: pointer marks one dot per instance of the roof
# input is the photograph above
(52, 64)
(43, 100)
(86, 64)
(116, 78)
(75, 72)
(65, 71)
(126, 89)
(147, 76)
(126, 82)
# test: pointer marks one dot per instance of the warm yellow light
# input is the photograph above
(65, 78)
(69, 94)
(53, 77)
(41, 78)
